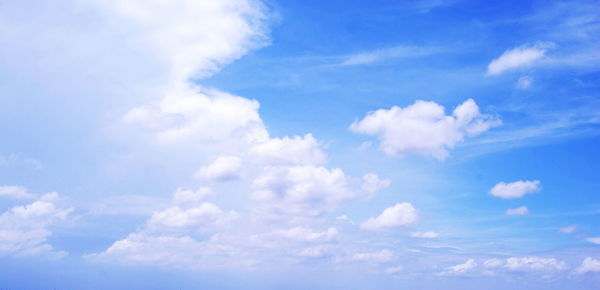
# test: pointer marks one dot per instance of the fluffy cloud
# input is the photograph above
(308, 190)
(534, 264)
(515, 189)
(222, 169)
(460, 269)
(24, 230)
(12, 191)
(189, 113)
(518, 57)
(288, 151)
(588, 265)
(423, 128)
(424, 235)
(522, 210)
(401, 214)
(186, 196)
(382, 256)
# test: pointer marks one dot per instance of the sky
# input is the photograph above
(266, 144)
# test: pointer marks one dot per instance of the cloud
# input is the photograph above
(534, 264)
(492, 263)
(568, 229)
(423, 128)
(288, 151)
(460, 269)
(382, 256)
(515, 189)
(522, 210)
(186, 196)
(594, 240)
(401, 214)
(524, 82)
(588, 265)
(13, 191)
(386, 54)
(522, 56)
(309, 190)
(24, 230)
(190, 113)
(222, 169)
(305, 234)
(424, 235)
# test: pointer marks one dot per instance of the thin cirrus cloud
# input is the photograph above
(515, 189)
(519, 57)
(423, 128)
(522, 210)
(381, 55)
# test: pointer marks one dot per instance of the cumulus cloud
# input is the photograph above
(288, 151)
(24, 230)
(222, 169)
(381, 256)
(460, 269)
(401, 214)
(522, 56)
(424, 235)
(308, 190)
(588, 265)
(191, 113)
(515, 189)
(13, 191)
(522, 210)
(423, 128)
(186, 196)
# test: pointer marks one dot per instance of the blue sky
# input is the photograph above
(246, 144)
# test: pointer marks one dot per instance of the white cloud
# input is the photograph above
(423, 128)
(522, 210)
(186, 196)
(393, 270)
(382, 256)
(288, 151)
(594, 240)
(515, 189)
(568, 229)
(386, 54)
(304, 234)
(588, 265)
(534, 264)
(492, 263)
(401, 214)
(460, 269)
(222, 169)
(522, 56)
(307, 190)
(190, 114)
(424, 235)
(205, 216)
(24, 230)
(12, 191)
(524, 82)
(193, 36)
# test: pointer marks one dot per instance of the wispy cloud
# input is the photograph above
(396, 52)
